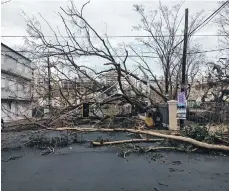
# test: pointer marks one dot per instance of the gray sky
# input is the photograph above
(106, 16)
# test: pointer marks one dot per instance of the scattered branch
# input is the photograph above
(156, 134)
(94, 143)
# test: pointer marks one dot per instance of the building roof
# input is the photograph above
(2, 44)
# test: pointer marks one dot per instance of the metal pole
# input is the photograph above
(183, 82)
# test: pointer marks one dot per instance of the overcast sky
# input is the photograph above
(114, 17)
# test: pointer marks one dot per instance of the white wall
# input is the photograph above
(11, 87)
(15, 63)
(4, 113)
(17, 111)
(16, 76)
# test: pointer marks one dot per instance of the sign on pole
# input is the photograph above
(181, 105)
(181, 99)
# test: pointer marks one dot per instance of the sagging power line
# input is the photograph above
(112, 36)
(209, 18)
(197, 52)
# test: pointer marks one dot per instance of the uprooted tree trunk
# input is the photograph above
(152, 133)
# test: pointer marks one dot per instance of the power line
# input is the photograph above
(118, 56)
(206, 20)
(130, 56)
(214, 50)
(115, 36)
(197, 52)
(209, 18)
(200, 26)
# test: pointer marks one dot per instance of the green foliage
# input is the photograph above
(199, 133)
(196, 106)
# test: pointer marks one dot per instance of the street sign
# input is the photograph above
(181, 112)
(181, 105)
(46, 111)
(181, 99)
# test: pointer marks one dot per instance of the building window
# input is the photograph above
(20, 67)
(12, 85)
(68, 84)
(28, 70)
(20, 88)
(15, 109)
(27, 89)
(4, 58)
(3, 82)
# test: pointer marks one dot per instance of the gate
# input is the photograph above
(164, 115)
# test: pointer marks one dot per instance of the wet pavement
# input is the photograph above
(79, 167)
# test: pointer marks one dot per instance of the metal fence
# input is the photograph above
(208, 112)
(164, 114)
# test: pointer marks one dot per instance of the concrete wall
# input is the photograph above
(16, 78)
(14, 63)
(15, 110)
(13, 87)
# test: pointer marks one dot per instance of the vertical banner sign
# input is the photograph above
(85, 109)
(181, 105)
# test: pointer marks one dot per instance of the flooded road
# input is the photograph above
(85, 169)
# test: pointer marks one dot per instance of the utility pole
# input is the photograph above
(49, 85)
(183, 82)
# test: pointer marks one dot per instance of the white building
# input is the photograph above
(16, 78)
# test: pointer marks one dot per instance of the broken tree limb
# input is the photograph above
(48, 151)
(124, 153)
(161, 148)
(156, 134)
(96, 143)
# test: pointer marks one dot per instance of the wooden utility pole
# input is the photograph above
(184, 58)
(49, 86)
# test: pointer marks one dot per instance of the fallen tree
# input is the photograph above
(73, 83)
(152, 133)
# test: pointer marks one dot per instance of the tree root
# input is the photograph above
(95, 143)
(153, 133)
